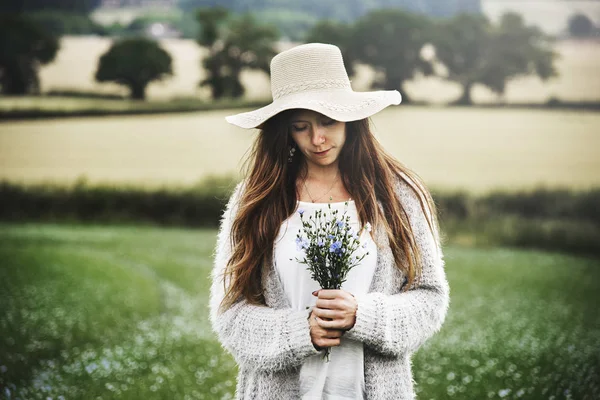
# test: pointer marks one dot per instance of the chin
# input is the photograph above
(324, 162)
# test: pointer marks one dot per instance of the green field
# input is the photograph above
(120, 313)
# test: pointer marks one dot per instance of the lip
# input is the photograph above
(321, 154)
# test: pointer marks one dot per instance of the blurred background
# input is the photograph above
(116, 163)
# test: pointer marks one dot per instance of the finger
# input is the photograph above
(335, 324)
(327, 303)
(332, 333)
(326, 314)
(324, 342)
(328, 293)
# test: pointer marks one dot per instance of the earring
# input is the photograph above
(292, 151)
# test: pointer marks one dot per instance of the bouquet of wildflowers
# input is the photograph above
(329, 244)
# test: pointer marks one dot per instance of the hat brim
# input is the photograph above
(341, 105)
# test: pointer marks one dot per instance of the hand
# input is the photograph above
(322, 337)
(335, 309)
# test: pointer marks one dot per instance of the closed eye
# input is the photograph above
(299, 128)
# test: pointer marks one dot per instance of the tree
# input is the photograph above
(461, 45)
(134, 63)
(77, 6)
(391, 42)
(24, 46)
(474, 51)
(234, 44)
(580, 26)
(66, 23)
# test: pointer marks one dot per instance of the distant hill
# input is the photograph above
(345, 10)
(294, 18)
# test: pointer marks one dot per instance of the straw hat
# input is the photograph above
(312, 76)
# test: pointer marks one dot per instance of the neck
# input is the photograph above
(321, 173)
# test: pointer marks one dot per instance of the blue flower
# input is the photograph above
(340, 224)
(298, 243)
(330, 236)
(336, 247)
(320, 242)
(301, 212)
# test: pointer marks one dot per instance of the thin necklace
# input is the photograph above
(323, 195)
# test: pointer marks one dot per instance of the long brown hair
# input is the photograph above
(269, 197)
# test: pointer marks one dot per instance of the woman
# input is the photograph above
(315, 149)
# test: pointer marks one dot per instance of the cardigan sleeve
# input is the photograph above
(400, 323)
(258, 337)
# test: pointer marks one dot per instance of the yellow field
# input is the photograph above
(474, 149)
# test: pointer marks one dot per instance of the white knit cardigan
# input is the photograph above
(269, 343)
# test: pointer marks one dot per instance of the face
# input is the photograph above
(318, 137)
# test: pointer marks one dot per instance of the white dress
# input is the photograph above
(342, 378)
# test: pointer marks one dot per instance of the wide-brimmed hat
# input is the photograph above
(312, 76)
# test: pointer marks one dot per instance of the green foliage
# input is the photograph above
(69, 103)
(349, 10)
(581, 26)
(547, 219)
(391, 42)
(62, 23)
(560, 220)
(77, 6)
(234, 44)
(540, 203)
(186, 24)
(196, 206)
(116, 29)
(292, 25)
(475, 51)
(339, 34)
(212, 21)
(83, 94)
(316, 8)
(182, 22)
(24, 45)
(134, 63)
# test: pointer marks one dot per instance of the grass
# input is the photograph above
(74, 105)
(120, 312)
(87, 104)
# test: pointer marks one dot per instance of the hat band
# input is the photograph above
(311, 85)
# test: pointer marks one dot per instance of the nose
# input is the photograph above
(318, 136)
